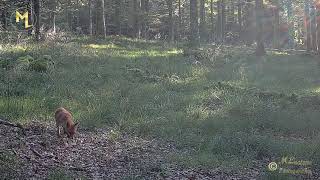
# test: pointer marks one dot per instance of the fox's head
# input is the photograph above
(72, 130)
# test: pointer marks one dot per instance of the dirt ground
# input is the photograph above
(99, 155)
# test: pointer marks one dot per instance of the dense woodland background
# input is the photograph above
(281, 23)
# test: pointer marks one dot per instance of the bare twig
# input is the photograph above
(36, 152)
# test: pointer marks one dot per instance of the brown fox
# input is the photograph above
(64, 120)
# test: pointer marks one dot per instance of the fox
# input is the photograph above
(64, 119)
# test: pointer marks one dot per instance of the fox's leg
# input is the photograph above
(58, 130)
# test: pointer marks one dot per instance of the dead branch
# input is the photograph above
(36, 152)
(7, 123)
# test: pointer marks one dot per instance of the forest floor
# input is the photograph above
(96, 155)
(149, 109)
(37, 153)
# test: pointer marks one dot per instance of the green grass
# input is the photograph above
(232, 107)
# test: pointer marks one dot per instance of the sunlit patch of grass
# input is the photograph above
(136, 53)
(102, 46)
(279, 53)
(316, 90)
(17, 48)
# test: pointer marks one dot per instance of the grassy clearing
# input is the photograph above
(228, 107)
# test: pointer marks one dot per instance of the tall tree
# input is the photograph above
(145, 14)
(223, 19)
(232, 9)
(212, 20)
(117, 15)
(104, 18)
(90, 18)
(219, 20)
(31, 17)
(307, 24)
(53, 6)
(240, 16)
(313, 28)
(194, 27)
(180, 19)
(203, 31)
(290, 23)
(318, 24)
(260, 50)
(36, 7)
(69, 14)
(171, 23)
(276, 24)
(135, 12)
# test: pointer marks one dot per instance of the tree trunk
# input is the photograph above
(145, 13)
(318, 25)
(90, 18)
(203, 32)
(232, 12)
(290, 24)
(276, 27)
(79, 14)
(37, 17)
(212, 20)
(307, 24)
(96, 29)
(219, 20)
(180, 19)
(240, 18)
(136, 30)
(69, 15)
(147, 18)
(104, 19)
(223, 19)
(194, 27)
(171, 23)
(313, 23)
(260, 51)
(31, 16)
(54, 23)
(118, 16)
(53, 15)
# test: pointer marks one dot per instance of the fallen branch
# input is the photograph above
(7, 123)
(18, 125)
(36, 152)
